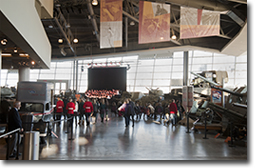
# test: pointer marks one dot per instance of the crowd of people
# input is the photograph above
(88, 109)
(101, 94)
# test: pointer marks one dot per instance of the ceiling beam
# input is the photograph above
(93, 20)
(66, 32)
(239, 1)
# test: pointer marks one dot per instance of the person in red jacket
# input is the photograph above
(88, 110)
(70, 107)
(173, 112)
(59, 109)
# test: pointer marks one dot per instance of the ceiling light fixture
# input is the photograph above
(33, 63)
(132, 23)
(75, 40)
(174, 37)
(95, 2)
(60, 40)
(15, 50)
(4, 42)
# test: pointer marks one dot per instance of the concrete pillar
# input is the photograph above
(185, 68)
(24, 74)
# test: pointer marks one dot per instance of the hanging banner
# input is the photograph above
(154, 22)
(110, 23)
(198, 23)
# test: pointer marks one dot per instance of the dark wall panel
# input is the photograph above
(107, 78)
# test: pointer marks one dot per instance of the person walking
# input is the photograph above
(14, 122)
(95, 110)
(59, 109)
(88, 110)
(173, 112)
(70, 107)
(81, 111)
(103, 109)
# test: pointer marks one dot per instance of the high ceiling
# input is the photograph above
(80, 19)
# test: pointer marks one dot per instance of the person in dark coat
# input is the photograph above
(158, 111)
(14, 122)
(5, 107)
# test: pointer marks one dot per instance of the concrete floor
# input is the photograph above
(147, 140)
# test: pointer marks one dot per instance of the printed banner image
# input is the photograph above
(198, 23)
(111, 35)
(110, 23)
(154, 22)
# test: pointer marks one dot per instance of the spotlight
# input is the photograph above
(75, 40)
(174, 37)
(33, 63)
(4, 42)
(60, 40)
(95, 2)
(15, 50)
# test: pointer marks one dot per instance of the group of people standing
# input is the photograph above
(84, 108)
(172, 112)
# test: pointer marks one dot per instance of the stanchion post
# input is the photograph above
(67, 126)
(71, 130)
(188, 127)
(18, 144)
(48, 135)
(231, 135)
(205, 118)
(7, 150)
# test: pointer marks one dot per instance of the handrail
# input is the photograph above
(7, 150)
(11, 132)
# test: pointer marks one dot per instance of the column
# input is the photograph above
(185, 68)
(24, 74)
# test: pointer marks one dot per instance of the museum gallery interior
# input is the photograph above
(123, 80)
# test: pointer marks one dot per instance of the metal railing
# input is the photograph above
(8, 134)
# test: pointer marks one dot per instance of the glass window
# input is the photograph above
(242, 58)
(241, 75)
(132, 69)
(141, 89)
(130, 82)
(241, 67)
(164, 75)
(200, 68)
(31, 107)
(202, 60)
(177, 75)
(146, 62)
(163, 62)
(161, 83)
(130, 75)
(178, 54)
(162, 68)
(226, 59)
(145, 69)
(201, 53)
(147, 83)
(177, 61)
(144, 76)
(65, 64)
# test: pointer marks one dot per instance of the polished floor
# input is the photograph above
(147, 140)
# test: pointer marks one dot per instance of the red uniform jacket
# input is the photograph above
(59, 106)
(70, 107)
(173, 108)
(88, 107)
